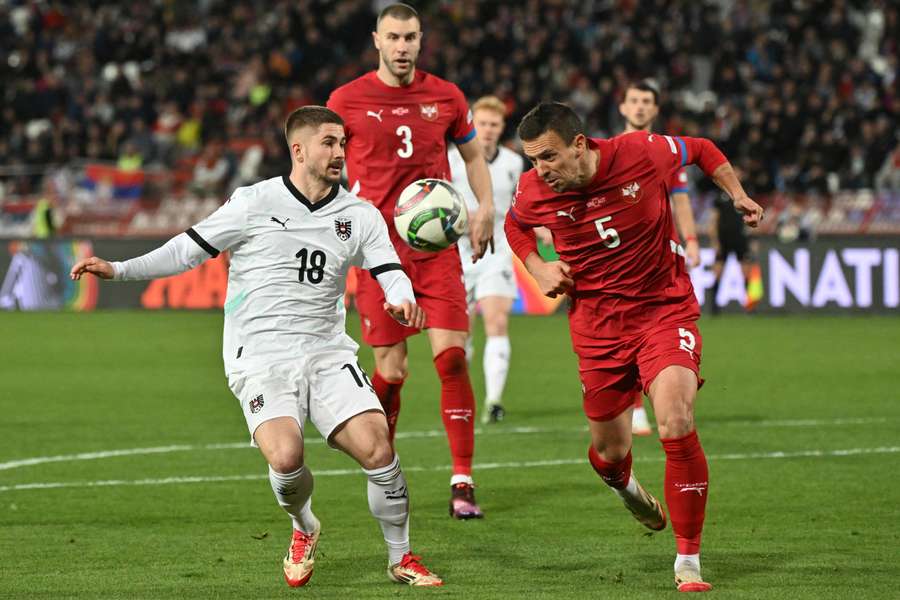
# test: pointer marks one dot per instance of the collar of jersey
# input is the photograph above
(304, 200)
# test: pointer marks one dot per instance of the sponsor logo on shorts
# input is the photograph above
(256, 404)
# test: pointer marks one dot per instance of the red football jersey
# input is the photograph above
(396, 135)
(617, 234)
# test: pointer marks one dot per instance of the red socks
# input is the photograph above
(388, 393)
(687, 480)
(615, 475)
(457, 407)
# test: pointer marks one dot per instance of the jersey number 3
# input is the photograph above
(405, 134)
(312, 265)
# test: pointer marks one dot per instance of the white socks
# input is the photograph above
(681, 559)
(496, 366)
(389, 503)
(294, 494)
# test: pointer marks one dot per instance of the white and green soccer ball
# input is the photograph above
(430, 215)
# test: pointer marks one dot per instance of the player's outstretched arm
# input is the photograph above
(94, 266)
(178, 255)
(725, 177)
(481, 224)
(670, 153)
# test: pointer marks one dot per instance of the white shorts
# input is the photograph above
(492, 275)
(328, 388)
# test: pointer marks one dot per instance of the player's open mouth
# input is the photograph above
(402, 62)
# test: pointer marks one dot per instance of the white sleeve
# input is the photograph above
(380, 258)
(397, 286)
(376, 249)
(224, 228)
(178, 255)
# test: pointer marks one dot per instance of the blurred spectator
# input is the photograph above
(802, 94)
(211, 174)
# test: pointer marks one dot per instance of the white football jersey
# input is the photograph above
(288, 272)
(505, 171)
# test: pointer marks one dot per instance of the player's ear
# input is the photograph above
(579, 143)
(622, 109)
(375, 40)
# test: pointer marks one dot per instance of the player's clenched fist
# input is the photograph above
(97, 266)
(553, 278)
(407, 313)
(753, 212)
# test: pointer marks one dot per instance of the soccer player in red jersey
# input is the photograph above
(398, 119)
(633, 315)
(639, 107)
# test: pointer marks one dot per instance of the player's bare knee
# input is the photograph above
(285, 460)
(379, 454)
(675, 426)
(498, 325)
(612, 453)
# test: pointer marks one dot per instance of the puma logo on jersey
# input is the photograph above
(282, 223)
(375, 115)
(570, 213)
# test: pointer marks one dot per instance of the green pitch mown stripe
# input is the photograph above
(40, 460)
(477, 467)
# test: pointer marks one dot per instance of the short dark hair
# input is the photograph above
(399, 11)
(643, 86)
(551, 116)
(310, 116)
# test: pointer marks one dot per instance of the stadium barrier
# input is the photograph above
(832, 275)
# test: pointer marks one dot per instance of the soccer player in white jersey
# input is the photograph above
(287, 355)
(490, 282)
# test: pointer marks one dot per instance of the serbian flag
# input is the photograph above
(126, 185)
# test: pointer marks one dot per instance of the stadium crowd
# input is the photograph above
(803, 94)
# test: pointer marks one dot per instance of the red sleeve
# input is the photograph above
(521, 237)
(678, 183)
(461, 130)
(671, 153)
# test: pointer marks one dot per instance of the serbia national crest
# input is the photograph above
(343, 229)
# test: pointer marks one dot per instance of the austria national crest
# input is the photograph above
(342, 228)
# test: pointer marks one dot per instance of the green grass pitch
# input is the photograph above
(800, 419)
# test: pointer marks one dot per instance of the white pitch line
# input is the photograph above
(39, 460)
(478, 467)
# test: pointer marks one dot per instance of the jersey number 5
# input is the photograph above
(312, 265)
(405, 134)
(609, 235)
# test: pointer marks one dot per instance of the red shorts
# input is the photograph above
(437, 281)
(623, 345)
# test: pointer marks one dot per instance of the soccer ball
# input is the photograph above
(430, 215)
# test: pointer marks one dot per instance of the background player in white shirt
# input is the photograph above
(490, 282)
(286, 352)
